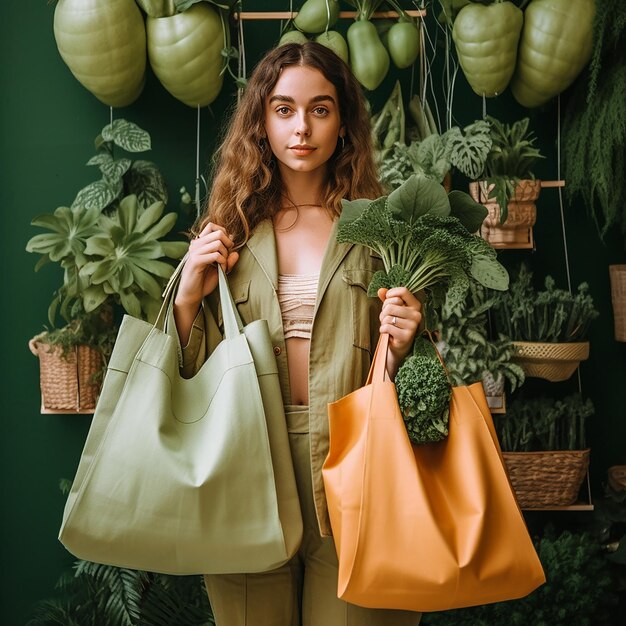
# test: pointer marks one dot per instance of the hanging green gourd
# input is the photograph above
(316, 16)
(403, 39)
(486, 39)
(335, 41)
(292, 36)
(185, 52)
(103, 42)
(369, 60)
(555, 45)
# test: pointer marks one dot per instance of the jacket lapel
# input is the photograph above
(333, 256)
(262, 244)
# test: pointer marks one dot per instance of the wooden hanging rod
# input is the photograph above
(287, 15)
(553, 183)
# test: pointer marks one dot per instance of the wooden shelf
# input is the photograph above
(66, 412)
(552, 183)
(287, 15)
(571, 507)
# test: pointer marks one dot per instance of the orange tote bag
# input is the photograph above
(423, 527)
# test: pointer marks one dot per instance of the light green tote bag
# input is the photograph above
(187, 476)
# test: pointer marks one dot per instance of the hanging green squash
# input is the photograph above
(103, 42)
(555, 45)
(185, 52)
(316, 16)
(335, 41)
(486, 39)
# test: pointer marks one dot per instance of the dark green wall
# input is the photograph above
(48, 122)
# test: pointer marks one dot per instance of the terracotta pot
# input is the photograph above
(516, 232)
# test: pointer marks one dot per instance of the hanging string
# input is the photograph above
(241, 64)
(562, 209)
(110, 115)
(197, 194)
(484, 106)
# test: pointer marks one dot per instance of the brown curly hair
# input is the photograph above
(247, 186)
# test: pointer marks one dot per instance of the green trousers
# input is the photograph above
(304, 591)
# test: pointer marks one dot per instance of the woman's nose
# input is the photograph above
(302, 127)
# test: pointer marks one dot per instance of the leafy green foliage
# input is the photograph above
(553, 315)
(121, 176)
(421, 244)
(544, 424)
(466, 347)
(424, 394)
(594, 124)
(577, 590)
(95, 595)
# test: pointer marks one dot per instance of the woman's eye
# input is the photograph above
(282, 110)
(321, 110)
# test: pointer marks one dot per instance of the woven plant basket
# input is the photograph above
(552, 361)
(618, 296)
(66, 385)
(547, 478)
(517, 230)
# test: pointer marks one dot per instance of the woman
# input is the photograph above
(299, 142)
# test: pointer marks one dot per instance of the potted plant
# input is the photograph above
(109, 246)
(507, 186)
(428, 153)
(544, 448)
(471, 356)
(548, 328)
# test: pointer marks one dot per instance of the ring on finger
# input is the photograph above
(393, 320)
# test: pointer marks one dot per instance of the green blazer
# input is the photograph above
(343, 337)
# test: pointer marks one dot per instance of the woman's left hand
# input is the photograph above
(400, 318)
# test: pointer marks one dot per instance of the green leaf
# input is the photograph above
(163, 226)
(93, 297)
(145, 181)
(131, 303)
(98, 195)
(158, 268)
(115, 169)
(127, 136)
(127, 213)
(146, 282)
(50, 222)
(100, 159)
(471, 214)
(351, 209)
(149, 216)
(489, 272)
(416, 197)
(468, 152)
(174, 249)
(99, 245)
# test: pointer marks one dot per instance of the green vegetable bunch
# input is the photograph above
(544, 424)
(553, 315)
(424, 394)
(424, 237)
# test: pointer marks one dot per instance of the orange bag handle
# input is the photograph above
(378, 369)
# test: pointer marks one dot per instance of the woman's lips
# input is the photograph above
(302, 150)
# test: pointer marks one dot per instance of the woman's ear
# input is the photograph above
(342, 132)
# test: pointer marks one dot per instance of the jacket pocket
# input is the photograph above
(359, 280)
(240, 292)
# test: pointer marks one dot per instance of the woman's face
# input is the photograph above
(302, 119)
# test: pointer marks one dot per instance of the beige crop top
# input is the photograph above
(296, 296)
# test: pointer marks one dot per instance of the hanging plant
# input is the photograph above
(594, 127)
(103, 42)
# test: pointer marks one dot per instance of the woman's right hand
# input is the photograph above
(199, 276)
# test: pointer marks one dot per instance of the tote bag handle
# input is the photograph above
(233, 325)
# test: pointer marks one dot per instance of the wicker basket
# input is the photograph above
(552, 361)
(66, 385)
(547, 478)
(618, 296)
